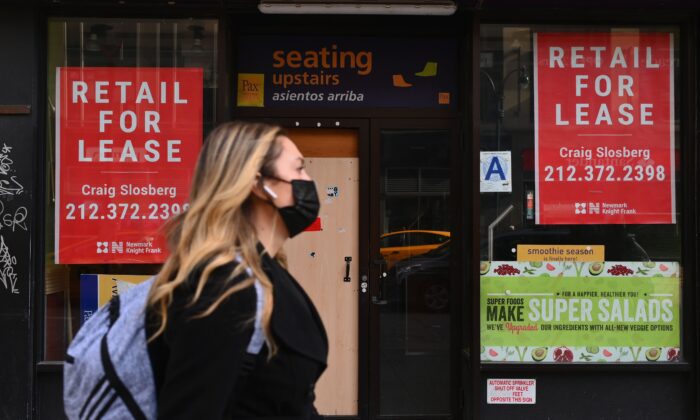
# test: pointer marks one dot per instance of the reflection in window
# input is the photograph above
(414, 296)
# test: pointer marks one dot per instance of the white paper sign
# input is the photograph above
(332, 191)
(511, 391)
(495, 172)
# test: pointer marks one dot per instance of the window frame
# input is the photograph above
(688, 128)
(221, 112)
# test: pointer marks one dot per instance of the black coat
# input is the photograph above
(197, 362)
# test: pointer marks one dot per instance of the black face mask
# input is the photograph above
(305, 209)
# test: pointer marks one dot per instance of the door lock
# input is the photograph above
(363, 283)
(380, 300)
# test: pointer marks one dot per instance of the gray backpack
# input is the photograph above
(108, 373)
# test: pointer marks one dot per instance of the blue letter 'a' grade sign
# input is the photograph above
(495, 172)
(495, 169)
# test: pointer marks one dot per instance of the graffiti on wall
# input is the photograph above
(13, 217)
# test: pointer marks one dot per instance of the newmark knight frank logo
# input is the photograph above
(102, 247)
(251, 89)
(105, 248)
(117, 247)
(590, 208)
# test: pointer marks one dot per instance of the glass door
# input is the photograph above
(411, 281)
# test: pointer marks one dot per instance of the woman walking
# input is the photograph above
(250, 193)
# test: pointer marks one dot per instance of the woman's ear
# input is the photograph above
(257, 188)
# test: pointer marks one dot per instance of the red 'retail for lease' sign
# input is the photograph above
(127, 140)
(604, 132)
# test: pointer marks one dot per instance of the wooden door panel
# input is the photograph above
(317, 260)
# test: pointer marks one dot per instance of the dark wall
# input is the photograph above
(18, 148)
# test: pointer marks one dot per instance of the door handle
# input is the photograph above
(347, 269)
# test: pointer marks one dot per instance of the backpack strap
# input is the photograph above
(114, 309)
(257, 340)
(110, 371)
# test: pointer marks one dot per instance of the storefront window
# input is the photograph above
(580, 194)
(129, 102)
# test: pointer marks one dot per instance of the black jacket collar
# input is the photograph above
(295, 321)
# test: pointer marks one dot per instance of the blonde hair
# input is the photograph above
(217, 226)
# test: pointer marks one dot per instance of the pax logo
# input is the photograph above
(249, 86)
(580, 208)
(251, 89)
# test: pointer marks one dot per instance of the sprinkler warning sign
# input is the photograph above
(511, 391)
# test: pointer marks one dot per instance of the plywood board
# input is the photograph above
(317, 261)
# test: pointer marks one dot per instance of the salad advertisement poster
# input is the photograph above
(604, 128)
(580, 312)
(127, 141)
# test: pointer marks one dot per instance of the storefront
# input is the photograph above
(509, 195)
